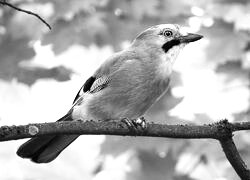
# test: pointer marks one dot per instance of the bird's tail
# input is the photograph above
(46, 148)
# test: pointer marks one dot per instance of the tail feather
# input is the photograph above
(53, 148)
(46, 148)
(32, 146)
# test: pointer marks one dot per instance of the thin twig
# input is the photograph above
(25, 11)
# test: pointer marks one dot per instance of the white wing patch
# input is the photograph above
(99, 84)
(92, 85)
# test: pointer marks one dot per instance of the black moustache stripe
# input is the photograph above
(168, 45)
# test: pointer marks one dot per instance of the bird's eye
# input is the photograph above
(167, 33)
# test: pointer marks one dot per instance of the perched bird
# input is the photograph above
(124, 86)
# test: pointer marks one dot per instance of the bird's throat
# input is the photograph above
(166, 60)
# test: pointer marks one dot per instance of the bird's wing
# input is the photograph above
(92, 85)
(101, 77)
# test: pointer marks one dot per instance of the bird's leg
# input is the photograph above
(136, 124)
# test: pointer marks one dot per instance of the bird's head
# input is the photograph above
(163, 42)
(165, 37)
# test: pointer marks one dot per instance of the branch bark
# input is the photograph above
(234, 158)
(221, 131)
(214, 131)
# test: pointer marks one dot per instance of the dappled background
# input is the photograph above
(41, 71)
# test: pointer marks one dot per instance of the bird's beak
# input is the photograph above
(190, 38)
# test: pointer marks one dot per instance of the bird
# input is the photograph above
(125, 85)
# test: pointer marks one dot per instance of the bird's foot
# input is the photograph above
(135, 124)
(141, 122)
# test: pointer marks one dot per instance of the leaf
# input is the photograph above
(201, 118)
(30, 75)
(152, 166)
(235, 13)
(175, 8)
(220, 48)
(82, 29)
(64, 9)
(123, 144)
(247, 47)
(208, 148)
(9, 63)
(233, 70)
(141, 8)
(233, 1)
(158, 113)
(155, 167)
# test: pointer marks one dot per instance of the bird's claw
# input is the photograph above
(135, 124)
(141, 122)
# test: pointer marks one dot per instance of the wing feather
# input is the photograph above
(99, 84)
(101, 77)
(92, 85)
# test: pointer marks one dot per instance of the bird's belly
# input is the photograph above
(132, 103)
(80, 110)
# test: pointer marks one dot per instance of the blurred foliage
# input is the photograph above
(110, 22)
(225, 23)
(155, 167)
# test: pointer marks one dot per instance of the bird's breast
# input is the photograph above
(164, 68)
(166, 61)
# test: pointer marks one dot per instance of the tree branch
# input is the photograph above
(25, 11)
(214, 131)
(241, 126)
(234, 158)
(221, 131)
